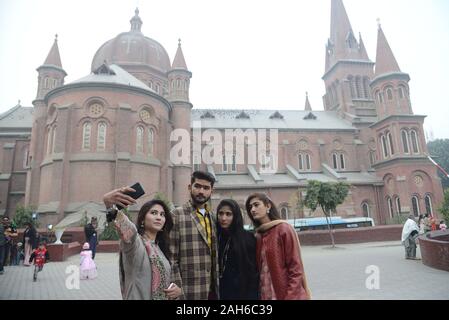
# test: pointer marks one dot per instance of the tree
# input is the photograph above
(327, 196)
(444, 209)
(24, 215)
(439, 151)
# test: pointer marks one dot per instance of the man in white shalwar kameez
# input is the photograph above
(410, 232)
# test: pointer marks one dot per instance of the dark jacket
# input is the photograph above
(238, 282)
(32, 235)
(89, 231)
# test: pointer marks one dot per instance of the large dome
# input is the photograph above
(133, 48)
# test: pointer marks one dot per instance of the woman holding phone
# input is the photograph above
(144, 248)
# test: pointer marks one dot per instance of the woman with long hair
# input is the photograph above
(278, 252)
(239, 279)
(144, 248)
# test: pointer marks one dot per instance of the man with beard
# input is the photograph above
(193, 242)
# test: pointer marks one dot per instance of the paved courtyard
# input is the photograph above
(339, 273)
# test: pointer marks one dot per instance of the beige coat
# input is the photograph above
(135, 268)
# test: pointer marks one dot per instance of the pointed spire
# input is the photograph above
(179, 62)
(308, 107)
(342, 44)
(385, 60)
(362, 49)
(53, 57)
(136, 22)
(340, 28)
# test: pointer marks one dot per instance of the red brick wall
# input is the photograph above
(435, 249)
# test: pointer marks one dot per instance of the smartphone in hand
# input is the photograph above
(135, 195)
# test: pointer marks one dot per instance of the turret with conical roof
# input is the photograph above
(390, 85)
(179, 77)
(51, 73)
(179, 82)
(348, 69)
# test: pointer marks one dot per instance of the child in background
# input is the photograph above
(442, 225)
(88, 269)
(40, 256)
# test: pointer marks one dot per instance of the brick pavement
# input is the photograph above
(332, 274)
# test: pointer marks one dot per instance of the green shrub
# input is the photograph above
(24, 215)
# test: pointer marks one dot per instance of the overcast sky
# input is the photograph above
(243, 54)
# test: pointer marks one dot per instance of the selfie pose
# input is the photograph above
(278, 252)
(144, 266)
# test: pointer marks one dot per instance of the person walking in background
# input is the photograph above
(442, 225)
(90, 231)
(238, 276)
(410, 233)
(278, 252)
(88, 269)
(30, 242)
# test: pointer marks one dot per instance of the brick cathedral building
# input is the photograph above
(112, 128)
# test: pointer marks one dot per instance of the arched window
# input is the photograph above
(398, 205)
(46, 83)
(405, 144)
(101, 136)
(389, 93)
(150, 142)
(414, 139)
(380, 97)
(334, 161)
(139, 139)
(428, 201)
(150, 84)
(401, 92)
(308, 163)
(304, 162)
(225, 164)
(49, 136)
(352, 86)
(390, 142)
(365, 210)
(173, 84)
(186, 84)
(372, 158)
(342, 161)
(233, 164)
(284, 213)
(415, 206)
(384, 146)
(26, 158)
(157, 87)
(54, 140)
(390, 207)
(358, 87)
(366, 89)
(87, 129)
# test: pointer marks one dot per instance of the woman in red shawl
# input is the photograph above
(278, 252)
